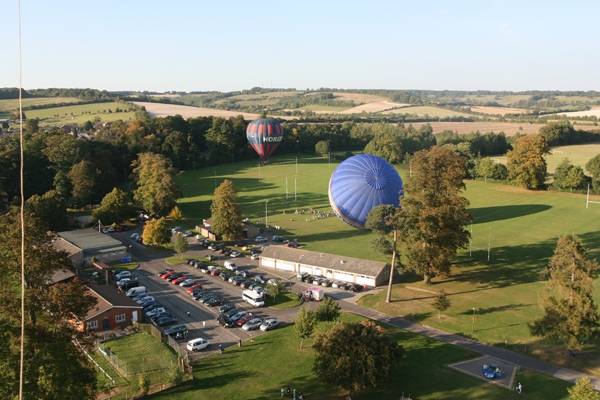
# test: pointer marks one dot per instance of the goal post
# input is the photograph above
(587, 198)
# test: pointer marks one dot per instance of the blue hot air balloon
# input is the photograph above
(361, 183)
(264, 136)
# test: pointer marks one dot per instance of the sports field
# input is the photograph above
(524, 228)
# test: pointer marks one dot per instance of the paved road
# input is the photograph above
(177, 302)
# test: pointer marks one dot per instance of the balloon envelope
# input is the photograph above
(361, 183)
(264, 136)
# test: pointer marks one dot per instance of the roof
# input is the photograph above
(109, 297)
(64, 245)
(330, 261)
(90, 240)
(60, 276)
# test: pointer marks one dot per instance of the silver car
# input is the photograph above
(253, 324)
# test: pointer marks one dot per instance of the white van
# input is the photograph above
(253, 298)
(230, 265)
(136, 291)
(198, 344)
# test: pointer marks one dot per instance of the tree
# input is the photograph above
(226, 212)
(387, 145)
(181, 244)
(575, 178)
(434, 214)
(32, 126)
(322, 148)
(82, 177)
(526, 164)
(305, 323)
(485, 168)
(570, 313)
(561, 172)
(354, 356)
(275, 288)
(593, 167)
(328, 310)
(88, 126)
(583, 390)
(441, 302)
(50, 208)
(156, 191)
(557, 133)
(176, 214)
(156, 232)
(384, 221)
(114, 209)
(53, 367)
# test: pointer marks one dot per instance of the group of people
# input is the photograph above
(287, 392)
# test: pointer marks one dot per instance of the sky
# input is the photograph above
(198, 45)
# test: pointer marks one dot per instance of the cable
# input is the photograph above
(22, 214)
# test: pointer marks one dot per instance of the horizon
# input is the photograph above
(502, 45)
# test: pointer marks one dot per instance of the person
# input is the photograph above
(282, 391)
(287, 392)
(204, 324)
(220, 349)
(240, 343)
(519, 388)
(188, 313)
(179, 335)
(348, 397)
(300, 397)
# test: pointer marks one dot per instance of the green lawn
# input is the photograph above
(273, 361)
(75, 113)
(524, 228)
(141, 352)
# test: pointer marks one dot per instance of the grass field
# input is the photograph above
(13, 104)
(75, 114)
(260, 368)
(430, 111)
(141, 353)
(524, 228)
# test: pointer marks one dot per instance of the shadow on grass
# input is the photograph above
(489, 310)
(484, 215)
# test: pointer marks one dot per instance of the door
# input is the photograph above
(105, 323)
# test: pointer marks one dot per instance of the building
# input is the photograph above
(83, 244)
(113, 309)
(248, 231)
(331, 266)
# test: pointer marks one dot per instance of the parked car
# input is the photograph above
(252, 324)
(179, 280)
(269, 324)
(143, 299)
(273, 281)
(225, 321)
(245, 284)
(167, 274)
(200, 295)
(166, 321)
(226, 307)
(124, 274)
(240, 322)
(254, 256)
(317, 280)
(239, 315)
(260, 239)
(356, 288)
(205, 269)
(215, 301)
(343, 286)
(200, 264)
(172, 331)
(294, 245)
(326, 283)
(226, 252)
(187, 233)
(187, 283)
(257, 250)
(161, 315)
(236, 280)
(140, 298)
(198, 344)
(308, 278)
(155, 311)
(177, 229)
(260, 279)
(243, 273)
(194, 287)
(215, 272)
(165, 271)
(231, 312)
(174, 276)
(149, 305)
(335, 283)
(261, 290)
(235, 254)
(243, 243)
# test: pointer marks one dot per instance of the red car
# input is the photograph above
(194, 287)
(178, 280)
(165, 276)
(243, 320)
(215, 272)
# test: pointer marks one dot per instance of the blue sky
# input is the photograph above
(201, 45)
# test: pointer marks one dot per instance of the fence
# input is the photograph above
(139, 366)
(184, 361)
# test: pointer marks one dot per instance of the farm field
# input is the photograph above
(427, 110)
(594, 112)
(13, 104)
(259, 369)
(578, 154)
(163, 110)
(502, 100)
(374, 106)
(510, 129)
(75, 113)
(499, 110)
(525, 226)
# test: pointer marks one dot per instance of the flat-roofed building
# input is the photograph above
(83, 244)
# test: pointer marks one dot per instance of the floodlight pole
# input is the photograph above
(471, 241)
(489, 243)
(473, 325)
(296, 165)
(587, 198)
(266, 213)
(295, 191)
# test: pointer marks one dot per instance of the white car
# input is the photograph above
(235, 254)
(253, 324)
(269, 324)
(255, 256)
(260, 239)
(152, 313)
(124, 274)
(145, 299)
(197, 344)
(272, 281)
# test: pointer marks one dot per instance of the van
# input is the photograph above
(230, 265)
(197, 344)
(251, 297)
(136, 291)
(129, 284)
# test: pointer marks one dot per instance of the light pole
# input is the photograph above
(296, 165)
(266, 213)
(473, 325)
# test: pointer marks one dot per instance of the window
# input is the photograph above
(92, 324)
(120, 318)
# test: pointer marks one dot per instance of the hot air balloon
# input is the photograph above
(361, 183)
(264, 136)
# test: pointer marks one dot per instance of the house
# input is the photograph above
(330, 266)
(84, 244)
(248, 231)
(113, 309)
